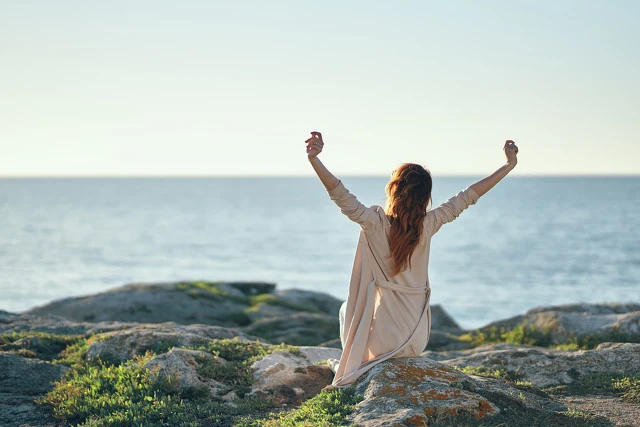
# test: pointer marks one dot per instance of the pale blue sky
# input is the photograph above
(233, 87)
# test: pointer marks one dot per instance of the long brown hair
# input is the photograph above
(408, 195)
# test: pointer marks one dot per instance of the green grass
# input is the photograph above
(328, 408)
(212, 287)
(523, 334)
(41, 345)
(528, 334)
(98, 393)
(74, 354)
(481, 371)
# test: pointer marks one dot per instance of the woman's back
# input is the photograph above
(387, 316)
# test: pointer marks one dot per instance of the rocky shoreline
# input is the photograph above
(245, 353)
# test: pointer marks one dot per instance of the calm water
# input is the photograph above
(529, 242)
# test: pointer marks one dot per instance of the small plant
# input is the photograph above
(499, 374)
(579, 415)
(73, 355)
(630, 388)
(329, 408)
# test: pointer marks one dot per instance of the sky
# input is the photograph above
(189, 88)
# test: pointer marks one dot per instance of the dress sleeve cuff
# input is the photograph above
(474, 196)
(339, 190)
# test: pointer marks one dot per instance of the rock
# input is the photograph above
(289, 378)
(21, 381)
(441, 320)
(296, 329)
(267, 311)
(544, 367)
(57, 325)
(180, 367)
(445, 341)
(118, 346)
(252, 288)
(21, 375)
(336, 343)
(612, 308)
(180, 302)
(581, 322)
(316, 301)
(230, 397)
(5, 316)
(452, 354)
(420, 391)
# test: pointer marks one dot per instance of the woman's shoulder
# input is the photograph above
(383, 219)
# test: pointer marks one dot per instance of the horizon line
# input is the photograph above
(444, 175)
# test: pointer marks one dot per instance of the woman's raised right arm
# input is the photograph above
(452, 208)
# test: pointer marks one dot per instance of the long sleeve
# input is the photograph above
(368, 218)
(451, 209)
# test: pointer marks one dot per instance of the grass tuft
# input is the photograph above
(528, 334)
(328, 408)
(40, 345)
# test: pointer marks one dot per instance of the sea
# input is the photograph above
(530, 241)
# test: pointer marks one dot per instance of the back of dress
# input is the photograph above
(386, 316)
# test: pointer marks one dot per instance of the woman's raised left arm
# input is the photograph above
(314, 147)
(367, 217)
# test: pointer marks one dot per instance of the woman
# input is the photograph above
(387, 312)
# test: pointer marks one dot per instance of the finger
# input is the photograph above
(317, 135)
(309, 140)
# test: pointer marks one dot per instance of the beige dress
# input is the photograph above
(386, 316)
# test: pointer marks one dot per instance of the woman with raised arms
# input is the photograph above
(387, 313)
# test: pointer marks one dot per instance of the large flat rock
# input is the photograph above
(421, 391)
(545, 367)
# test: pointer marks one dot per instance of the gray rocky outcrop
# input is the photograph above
(421, 391)
(11, 322)
(581, 322)
(153, 303)
(118, 346)
(179, 367)
(296, 329)
(316, 301)
(545, 367)
(21, 381)
(428, 390)
(254, 305)
(442, 321)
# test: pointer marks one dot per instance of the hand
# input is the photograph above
(314, 145)
(511, 151)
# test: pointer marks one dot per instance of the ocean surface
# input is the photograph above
(531, 241)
